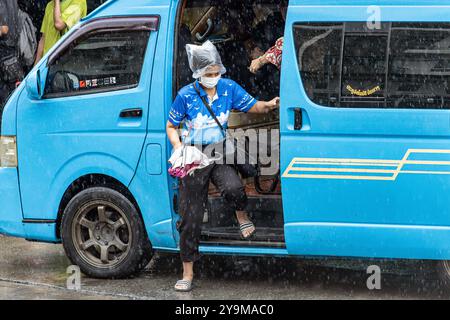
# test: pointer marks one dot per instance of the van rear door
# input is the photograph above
(365, 127)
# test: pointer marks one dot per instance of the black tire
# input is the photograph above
(85, 238)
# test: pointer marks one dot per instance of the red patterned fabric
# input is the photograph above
(274, 54)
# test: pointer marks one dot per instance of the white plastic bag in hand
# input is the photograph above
(186, 159)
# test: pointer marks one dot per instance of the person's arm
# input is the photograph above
(258, 63)
(72, 15)
(40, 49)
(265, 106)
(273, 55)
(172, 133)
(59, 23)
(176, 116)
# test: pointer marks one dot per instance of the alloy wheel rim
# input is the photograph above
(101, 233)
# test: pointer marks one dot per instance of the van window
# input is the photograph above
(319, 58)
(100, 61)
(419, 66)
(402, 65)
(364, 70)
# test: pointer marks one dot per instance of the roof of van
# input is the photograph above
(127, 7)
(138, 7)
(371, 2)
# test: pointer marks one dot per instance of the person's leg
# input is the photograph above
(227, 180)
(194, 193)
(188, 271)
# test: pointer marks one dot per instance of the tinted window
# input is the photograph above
(419, 66)
(364, 70)
(319, 56)
(399, 66)
(102, 61)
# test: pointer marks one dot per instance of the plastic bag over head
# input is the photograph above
(202, 57)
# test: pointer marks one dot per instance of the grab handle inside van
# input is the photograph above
(202, 37)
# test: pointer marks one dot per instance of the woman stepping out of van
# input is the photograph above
(200, 107)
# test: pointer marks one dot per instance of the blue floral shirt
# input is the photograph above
(199, 126)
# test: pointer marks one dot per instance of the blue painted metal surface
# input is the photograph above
(398, 214)
(387, 207)
(10, 206)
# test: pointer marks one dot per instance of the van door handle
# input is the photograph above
(131, 113)
(298, 119)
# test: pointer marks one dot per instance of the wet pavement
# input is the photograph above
(38, 271)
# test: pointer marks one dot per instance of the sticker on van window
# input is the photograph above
(363, 93)
(96, 83)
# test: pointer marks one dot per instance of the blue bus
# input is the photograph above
(362, 134)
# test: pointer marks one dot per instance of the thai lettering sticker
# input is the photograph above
(363, 93)
(96, 83)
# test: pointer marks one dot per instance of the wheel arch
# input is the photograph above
(90, 181)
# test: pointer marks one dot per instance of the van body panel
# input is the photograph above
(8, 117)
(10, 208)
(41, 231)
(154, 198)
(152, 186)
(366, 3)
(371, 240)
(90, 151)
(79, 166)
(398, 212)
(72, 136)
(130, 8)
(153, 159)
(362, 181)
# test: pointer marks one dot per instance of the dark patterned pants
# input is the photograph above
(193, 203)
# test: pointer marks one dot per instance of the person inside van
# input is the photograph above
(273, 56)
(199, 106)
(60, 16)
(274, 36)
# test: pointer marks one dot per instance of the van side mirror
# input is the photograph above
(34, 88)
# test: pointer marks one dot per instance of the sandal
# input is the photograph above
(183, 286)
(245, 226)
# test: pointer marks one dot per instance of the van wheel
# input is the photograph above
(103, 234)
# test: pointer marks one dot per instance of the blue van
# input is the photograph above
(363, 133)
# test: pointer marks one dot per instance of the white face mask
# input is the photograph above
(209, 82)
